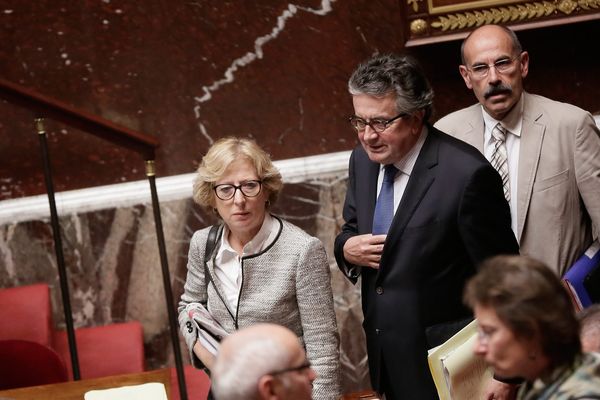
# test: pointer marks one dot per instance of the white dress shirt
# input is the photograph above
(513, 123)
(228, 263)
(405, 167)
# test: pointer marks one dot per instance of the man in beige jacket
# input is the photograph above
(547, 153)
(552, 149)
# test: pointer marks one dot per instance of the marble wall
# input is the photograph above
(187, 72)
(193, 71)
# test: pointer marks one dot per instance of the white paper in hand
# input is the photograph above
(210, 332)
(146, 391)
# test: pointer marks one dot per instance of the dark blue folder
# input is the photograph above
(583, 278)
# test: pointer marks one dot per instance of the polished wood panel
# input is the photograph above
(75, 390)
(362, 395)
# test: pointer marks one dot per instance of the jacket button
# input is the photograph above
(379, 290)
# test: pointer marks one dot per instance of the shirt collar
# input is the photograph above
(407, 163)
(265, 235)
(513, 121)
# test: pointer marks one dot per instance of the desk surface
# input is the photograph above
(74, 390)
(362, 395)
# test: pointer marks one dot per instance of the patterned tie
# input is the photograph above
(384, 209)
(499, 157)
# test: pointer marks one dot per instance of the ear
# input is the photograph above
(464, 72)
(524, 64)
(417, 122)
(267, 387)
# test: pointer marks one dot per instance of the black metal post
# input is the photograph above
(62, 270)
(173, 324)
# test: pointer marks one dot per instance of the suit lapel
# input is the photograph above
(474, 129)
(421, 178)
(532, 135)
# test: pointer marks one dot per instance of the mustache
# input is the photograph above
(502, 88)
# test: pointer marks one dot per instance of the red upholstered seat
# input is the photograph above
(113, 349)
(196, 381)
(24, 363)
(105, 350)
(26, 314)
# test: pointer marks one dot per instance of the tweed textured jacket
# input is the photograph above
(288, 284)
(578, 381)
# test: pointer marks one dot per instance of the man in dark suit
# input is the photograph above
(416, 232)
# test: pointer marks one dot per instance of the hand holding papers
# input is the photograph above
(210, 333)
(457, 372)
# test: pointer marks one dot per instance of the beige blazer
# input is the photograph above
(558, 187)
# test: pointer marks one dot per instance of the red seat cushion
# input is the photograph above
(105, 350)
(24, 363)
(197, 383)
(26, 314)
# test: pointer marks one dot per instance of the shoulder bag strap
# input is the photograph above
(211, 242)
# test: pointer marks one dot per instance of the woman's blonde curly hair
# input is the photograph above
(222, 153)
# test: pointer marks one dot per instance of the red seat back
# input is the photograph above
(26, 314)
(24, 363)
(196, 381)
(105, 350)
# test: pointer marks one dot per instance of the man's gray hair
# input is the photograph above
(235, 374)
(391, 73)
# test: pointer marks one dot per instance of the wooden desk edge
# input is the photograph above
(75, 390)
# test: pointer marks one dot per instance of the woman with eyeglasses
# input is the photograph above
(262, 268)
(528, 330)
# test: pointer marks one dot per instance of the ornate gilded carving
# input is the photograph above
(414, 4)
(589, 4)
(418, 26)
(518, 12)
(567, 6)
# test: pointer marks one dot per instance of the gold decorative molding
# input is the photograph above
(512, 13)
(442, 6)
(414, 4)
(567, 6)
(418, 26)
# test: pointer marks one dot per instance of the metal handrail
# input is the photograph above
(46, 107)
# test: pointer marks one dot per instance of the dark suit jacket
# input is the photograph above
(451, 217)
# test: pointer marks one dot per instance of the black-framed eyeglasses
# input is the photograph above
(502, 66)
(226, 191)
(377, 124)
(299, 368)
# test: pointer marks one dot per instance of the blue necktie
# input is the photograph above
(384, 209)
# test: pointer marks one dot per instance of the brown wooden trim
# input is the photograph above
(46, 107)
